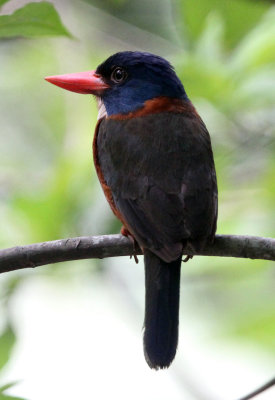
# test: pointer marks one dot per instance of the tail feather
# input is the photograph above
(162, 291)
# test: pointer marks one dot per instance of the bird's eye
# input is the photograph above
(118, 75)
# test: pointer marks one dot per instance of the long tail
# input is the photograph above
(162, 292)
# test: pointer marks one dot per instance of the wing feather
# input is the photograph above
(161, 172)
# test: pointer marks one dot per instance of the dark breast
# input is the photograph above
(160, 171)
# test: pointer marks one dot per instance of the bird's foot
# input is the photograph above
(187, 258)
(124, 231)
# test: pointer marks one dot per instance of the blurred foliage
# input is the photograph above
(3, 2)
(7, 335)
(155, 16)
(180, 20)
(32, 20)
(7, 340)
(4, 396)
(224, 52)
(239, 16)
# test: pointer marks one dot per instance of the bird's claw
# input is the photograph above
(124, 231)
(187, 258)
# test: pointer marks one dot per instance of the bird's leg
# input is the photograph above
(124, 231)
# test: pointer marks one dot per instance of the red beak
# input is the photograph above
(82, 82)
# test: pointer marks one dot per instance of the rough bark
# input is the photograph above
(85, 247)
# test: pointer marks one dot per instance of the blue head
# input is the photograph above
(135, 77)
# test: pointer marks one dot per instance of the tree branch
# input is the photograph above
(85, 247)
(260, 390)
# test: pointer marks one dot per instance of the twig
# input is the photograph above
(262, 389)
(85, 247)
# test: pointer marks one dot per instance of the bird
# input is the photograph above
(153, 157)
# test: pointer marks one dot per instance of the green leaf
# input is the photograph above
(5, 387)
(7, 340)
(7, 397)
(33, 20)
(3, 2)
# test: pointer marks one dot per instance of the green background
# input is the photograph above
(224, 52)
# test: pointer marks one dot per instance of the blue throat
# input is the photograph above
(129, 100)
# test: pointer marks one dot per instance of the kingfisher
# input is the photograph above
(154, 160)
